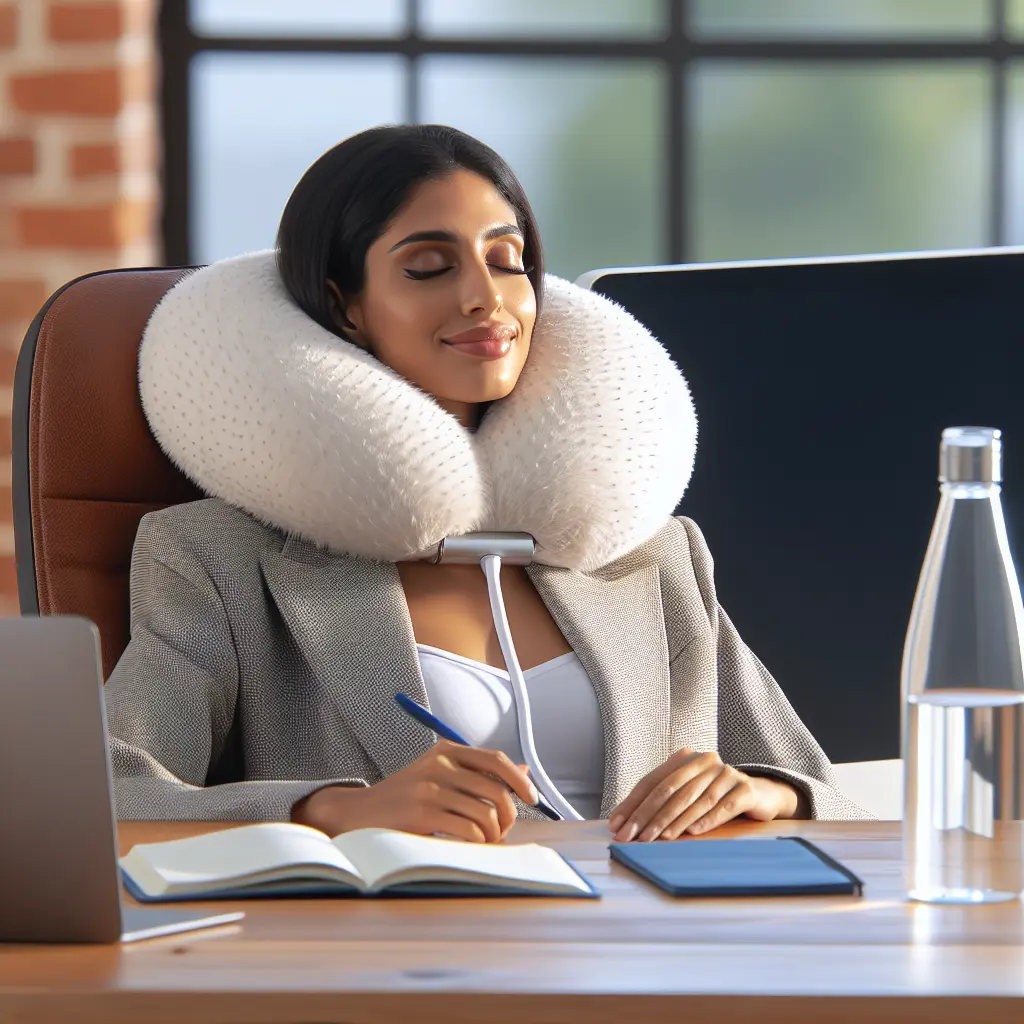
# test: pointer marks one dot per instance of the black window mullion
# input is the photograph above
(679, 133)
(177, 46)
(998, 127)
(412, 64)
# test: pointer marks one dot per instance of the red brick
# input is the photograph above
(91, 160)
(94, 91)
(91, 227)
(21, 299)
(85, 23)
(17, 156)
(8, 26)
(131, 152)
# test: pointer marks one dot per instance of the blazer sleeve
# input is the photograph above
(758, 730)
(172, 698)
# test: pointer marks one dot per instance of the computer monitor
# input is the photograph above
(822, 387)
(58, 855)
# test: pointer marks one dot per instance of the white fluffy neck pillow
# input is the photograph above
(262, 407)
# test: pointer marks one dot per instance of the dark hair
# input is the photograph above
(346, 199)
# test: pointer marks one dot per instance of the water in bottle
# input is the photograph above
(963, 691)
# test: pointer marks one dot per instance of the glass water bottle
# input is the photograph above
(963, 691)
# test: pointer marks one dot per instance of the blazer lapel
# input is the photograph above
(351, 623)
(617, 629)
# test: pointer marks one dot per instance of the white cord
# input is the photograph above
(491, 565)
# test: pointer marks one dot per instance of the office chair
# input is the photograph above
(85, 467)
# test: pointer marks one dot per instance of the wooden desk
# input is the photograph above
(634, 956)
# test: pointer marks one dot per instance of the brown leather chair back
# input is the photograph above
(85, 466)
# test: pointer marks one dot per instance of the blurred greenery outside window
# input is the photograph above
(645, 131)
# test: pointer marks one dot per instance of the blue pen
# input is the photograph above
(446, 732)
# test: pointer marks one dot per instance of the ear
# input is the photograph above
(347, 315)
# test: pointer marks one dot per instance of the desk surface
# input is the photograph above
(634, 956)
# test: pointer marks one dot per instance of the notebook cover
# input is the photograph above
(296, 890)
(787, 866)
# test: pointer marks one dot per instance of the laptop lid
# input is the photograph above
(822, 387)
(58, 857)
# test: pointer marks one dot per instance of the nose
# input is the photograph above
(480, 293)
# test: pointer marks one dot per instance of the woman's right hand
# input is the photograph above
(451, 789)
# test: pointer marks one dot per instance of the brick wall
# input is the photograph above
(78, 170)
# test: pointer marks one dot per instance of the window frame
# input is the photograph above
(677, 51)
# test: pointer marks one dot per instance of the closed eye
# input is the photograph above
(423, 275)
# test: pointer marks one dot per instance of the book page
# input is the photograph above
(386, 857)
(237, 856)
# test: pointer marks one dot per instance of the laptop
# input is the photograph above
(822, 387)
(58, 851)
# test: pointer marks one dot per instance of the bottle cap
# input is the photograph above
(971, 455)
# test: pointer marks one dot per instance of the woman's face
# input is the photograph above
(447, 303)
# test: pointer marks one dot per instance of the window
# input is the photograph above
(645, 131)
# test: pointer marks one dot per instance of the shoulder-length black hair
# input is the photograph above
(345, 200)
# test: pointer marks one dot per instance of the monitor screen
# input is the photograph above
(822, 389)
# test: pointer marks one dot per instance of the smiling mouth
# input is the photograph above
(489, 348)
(490, 342)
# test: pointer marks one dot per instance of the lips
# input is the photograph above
(489, 342)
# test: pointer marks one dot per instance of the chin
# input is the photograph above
(488, 386)
(498, 391)
(493, 392)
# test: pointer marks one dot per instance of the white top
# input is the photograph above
(476, 701)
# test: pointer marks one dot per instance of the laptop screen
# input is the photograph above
(821, 392)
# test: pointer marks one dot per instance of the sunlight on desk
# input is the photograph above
(636, 955)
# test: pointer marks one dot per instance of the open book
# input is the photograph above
(282, 859)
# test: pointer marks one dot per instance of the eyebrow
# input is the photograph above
(449, 236)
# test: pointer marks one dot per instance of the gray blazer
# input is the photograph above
(261, 667)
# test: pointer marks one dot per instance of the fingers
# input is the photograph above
(739, 798)
(455, 825)
(643, 788)
(664, 805)
(475, 784)
(719, 799)
(494, 762)
(483, 815)
(483, 787)
(689, 777)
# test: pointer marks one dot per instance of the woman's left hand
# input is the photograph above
(693, 793)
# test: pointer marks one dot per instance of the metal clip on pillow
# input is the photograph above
(490, 550)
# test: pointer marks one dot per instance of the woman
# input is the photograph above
(398, 372)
